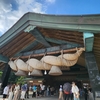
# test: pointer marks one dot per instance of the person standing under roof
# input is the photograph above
(67, 89)
(34, 91)
(61, 93)
(5, 92)
(11, 92)
(75, 91)
(23, 91)
(16, 91)
(90, 94)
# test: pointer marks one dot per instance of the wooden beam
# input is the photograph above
(39, 37)
(58, 41)
(33, 44)
(49, 51)
(3, 58)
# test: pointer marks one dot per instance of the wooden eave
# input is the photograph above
(76, 23)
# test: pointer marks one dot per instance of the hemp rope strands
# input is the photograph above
(55, 71)
(21, 65)
(36, 72)
(20, 73)
(36, 64)
(12, 65)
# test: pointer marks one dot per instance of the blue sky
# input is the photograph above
(75, 7)
(12, 10)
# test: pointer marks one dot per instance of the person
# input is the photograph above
(5, 92)
(19, 94)
(85, 92)
(71, 95)
(27, 91)
(42, 89)
(48, 90)
(38, 91)
(23, 91)
(11, 92)
(81, 92)
(75, 91)
(90, 94)
(34, 91)
(16, 91)
(52, 91)
(60, 93)
(67, 89)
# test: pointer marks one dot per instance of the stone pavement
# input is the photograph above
(40, 98)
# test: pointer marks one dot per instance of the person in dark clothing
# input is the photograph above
(27, 92)
(66, 95)
(71, 95)
(85, 93)
(67, 89)
(90, 94)
(34, 91)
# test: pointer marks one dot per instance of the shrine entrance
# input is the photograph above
(55, 48)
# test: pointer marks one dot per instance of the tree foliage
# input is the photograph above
(12, 78)
(16, 79)
(1, 73)
(20, 80)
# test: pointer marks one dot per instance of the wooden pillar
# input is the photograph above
(5, 75)
(93, 74)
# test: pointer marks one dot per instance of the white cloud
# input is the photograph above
(9, 15)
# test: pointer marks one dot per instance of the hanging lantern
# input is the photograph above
(20, 73)
(29, 73)
(36, 72)
(45, 72)
(55, 71)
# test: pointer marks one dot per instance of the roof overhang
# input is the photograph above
(83, 23)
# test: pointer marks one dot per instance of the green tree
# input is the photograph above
(12, 78)
(1, 73)
(16, 79)
(20, 80)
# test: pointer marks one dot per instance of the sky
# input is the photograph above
(12, 10)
